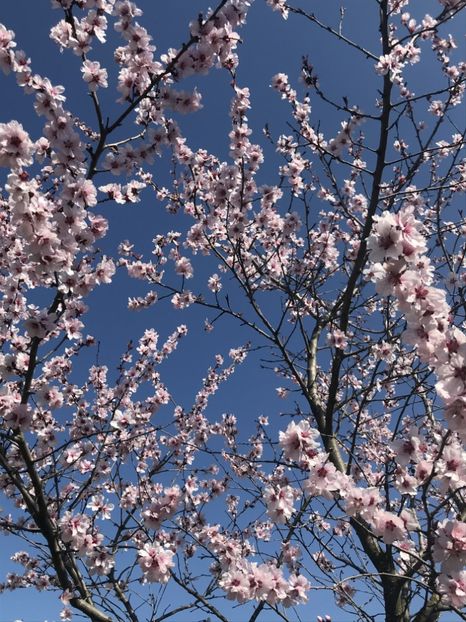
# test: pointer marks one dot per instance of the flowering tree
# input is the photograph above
(346, 268)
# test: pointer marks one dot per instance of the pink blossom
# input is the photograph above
(361, 501)
(214, 283)
(299, 441)
(183, 300)
(155, 563)
(16, 148)
(338, 339)
(455, 414)
(7, 45)
(184, 268)
(100, 506)
(236, 584)
(408, 448)
(452, 376)
(450, 545)
(105, 271)
(453, 589)
(279, 503)
(100, 562)
(396, 235)
(324, 479)
(279, 5)
(162, 508)
(388, 526)
(18, 417)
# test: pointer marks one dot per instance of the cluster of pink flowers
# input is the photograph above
(326, 481)
(245, 581)
(125, 442)
(16, 148)
(94, 75)
(450, 551)
(299, 441)
(280, 503)
(394, 63)
(78, 34)
(14, 414)
(162, 508)
(338, 339)
(403, 53)
(77, 532)
(155, 562)
(279, 5)
(399, 267)
(324, 478)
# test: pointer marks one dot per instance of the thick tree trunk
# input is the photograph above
(396, 604)
(430, 612)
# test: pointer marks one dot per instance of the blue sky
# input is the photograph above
(270, 45)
